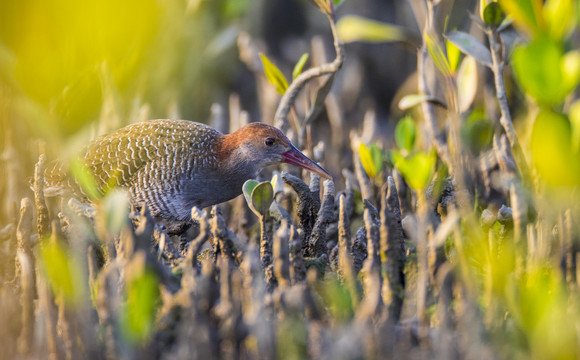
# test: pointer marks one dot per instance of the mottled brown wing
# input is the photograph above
(115, 159)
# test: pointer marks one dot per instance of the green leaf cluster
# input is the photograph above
(555, 18)
(553, 152)
(549, 73)
(62, 270)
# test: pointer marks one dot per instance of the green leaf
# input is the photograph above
(493, 14)
(299, 65)
(247, 189)
(366, 160)
(481, 7)
(453, 54)
(274, 75)
(142, 301)
(417, 168)
(438, 55)
(262, 197)
(552, 152)
(337, 3)
(544, 72)
(62, 270)
(355, 28)
(411, 100)
(405, 133)
(470, 46)
(85, 179)
(371, 159)
(466, 79)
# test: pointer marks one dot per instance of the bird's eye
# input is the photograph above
(269, 141)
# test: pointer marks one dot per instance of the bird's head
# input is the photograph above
(259, 145)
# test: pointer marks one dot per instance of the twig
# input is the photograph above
(505, 119)
(289, 98)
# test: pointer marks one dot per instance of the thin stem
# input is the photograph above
(428, 108)
(505, 119)
(265, 244)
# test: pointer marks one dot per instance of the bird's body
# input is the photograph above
(174, 165)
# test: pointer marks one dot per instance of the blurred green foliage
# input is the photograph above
(337, 298)
(477, 131)
(62, 270)
(292, 338)
(85, 179)
(66, 59)
(142, 300)
(355, 28)
(551, 75)
(62, 48)
(551, 143)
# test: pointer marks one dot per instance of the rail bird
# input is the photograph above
(174, 165)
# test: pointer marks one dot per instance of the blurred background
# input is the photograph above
(73, 70)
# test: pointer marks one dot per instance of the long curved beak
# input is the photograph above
(296, 158)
